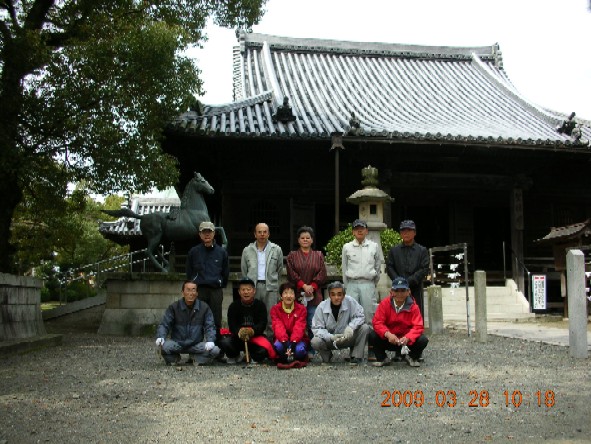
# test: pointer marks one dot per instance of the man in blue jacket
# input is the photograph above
(207, 266)
(189, 322)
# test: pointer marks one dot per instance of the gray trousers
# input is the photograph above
(270, 298)
(325, 346)
(366, 294)
(172, 349)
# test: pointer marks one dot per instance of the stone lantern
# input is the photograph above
(370, 200)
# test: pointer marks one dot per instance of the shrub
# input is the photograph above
(334, 247)
(78, 290)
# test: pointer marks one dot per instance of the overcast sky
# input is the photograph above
(546, 44)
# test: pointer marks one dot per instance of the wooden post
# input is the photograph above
(480, 305)
(577, 304)
(435, 309)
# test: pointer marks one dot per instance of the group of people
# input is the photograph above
(287, 324)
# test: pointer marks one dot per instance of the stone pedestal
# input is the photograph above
(136, 302)
(20, 307)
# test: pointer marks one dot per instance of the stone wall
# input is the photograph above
(136, 302)
(20, 307)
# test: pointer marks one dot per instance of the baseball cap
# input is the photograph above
(399, 283)
(359, 223)
(408, 225)
(206, 226)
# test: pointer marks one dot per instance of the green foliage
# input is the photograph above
(61, 232)
(87, 88)
(78, 290)
(334, 247)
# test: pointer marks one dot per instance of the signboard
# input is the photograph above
(538, 285)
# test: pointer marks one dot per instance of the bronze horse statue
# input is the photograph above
(181, 225)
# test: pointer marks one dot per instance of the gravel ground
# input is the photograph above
(114, 389)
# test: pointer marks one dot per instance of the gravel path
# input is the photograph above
(114, 389)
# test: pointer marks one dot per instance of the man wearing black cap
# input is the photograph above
(207, 266)
(398, 326)
(409, 260)
(361, 267)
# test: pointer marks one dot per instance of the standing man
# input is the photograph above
(409, 260)
(361, 262)
(262, 262)
(208, 267)
(338, 323)
(192, 330)
(397, 324)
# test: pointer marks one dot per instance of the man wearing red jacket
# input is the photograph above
(398, 326)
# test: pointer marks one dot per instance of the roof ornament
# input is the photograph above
(354, 125)
(284, 113)
(570, 128)
(568, 125)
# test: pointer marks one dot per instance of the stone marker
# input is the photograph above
(577, 304)
(435, 309)
(480, 305)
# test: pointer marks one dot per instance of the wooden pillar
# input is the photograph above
(516, 207)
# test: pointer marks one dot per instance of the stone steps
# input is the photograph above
(502, 303)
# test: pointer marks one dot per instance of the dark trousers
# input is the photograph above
(213, 297)
(417, 292)
(232, 346)
(380, 346)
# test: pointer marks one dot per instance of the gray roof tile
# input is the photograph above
(401, 92)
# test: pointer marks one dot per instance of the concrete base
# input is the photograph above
(24, 345)
(136, 302)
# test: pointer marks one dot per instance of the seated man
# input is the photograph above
(247, 321)
(288, 319)
(192, 329)
(339, 322)
(396, 324)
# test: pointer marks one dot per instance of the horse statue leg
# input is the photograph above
(152, 251)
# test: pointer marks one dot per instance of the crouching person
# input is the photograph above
(190, 324)
(288, 319)
(398, 326)
(247, 321)
(339, 322)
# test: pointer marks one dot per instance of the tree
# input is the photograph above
(86, 88)
(63, 234)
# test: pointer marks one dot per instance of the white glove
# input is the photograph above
(348, 333)
(159, 342)
(209, 346)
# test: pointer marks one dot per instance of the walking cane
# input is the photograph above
(246, 351)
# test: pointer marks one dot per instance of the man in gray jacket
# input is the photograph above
(190, 324)
(339, 322)
(262, 262)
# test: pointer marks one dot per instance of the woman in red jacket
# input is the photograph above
(288, 321)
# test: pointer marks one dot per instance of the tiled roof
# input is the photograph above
(166, 202)
(582, 229)
(397, 92)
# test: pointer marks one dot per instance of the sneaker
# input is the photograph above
(231, 361)
(354, 361)
(383, 363)
(413, 362)
(421, 359)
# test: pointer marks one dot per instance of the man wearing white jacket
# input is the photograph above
(339, 322)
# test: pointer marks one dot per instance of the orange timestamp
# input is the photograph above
(474, 398)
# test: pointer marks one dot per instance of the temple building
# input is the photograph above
(458, 148)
